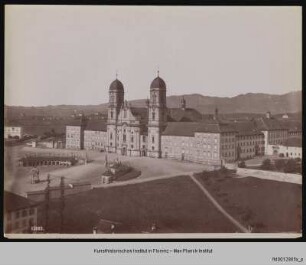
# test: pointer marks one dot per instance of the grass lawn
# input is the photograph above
(268, 206)
(175, 205)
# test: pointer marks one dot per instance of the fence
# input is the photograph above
(55, 192)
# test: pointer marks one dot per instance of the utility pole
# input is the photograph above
(62, 202)
(47, 199)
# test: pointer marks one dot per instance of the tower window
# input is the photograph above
(132, 139)
(111, 114)
(153, 139)
(153, 116)
(111, 136)
(154, 98)
(124, 137)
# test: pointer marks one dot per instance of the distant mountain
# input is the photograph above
(256, 103)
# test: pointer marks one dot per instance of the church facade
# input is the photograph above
(136, 131)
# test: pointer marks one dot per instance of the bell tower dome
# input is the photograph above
(116, 100)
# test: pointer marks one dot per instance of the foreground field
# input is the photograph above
(265, 206)
(174, 205)
(177, 205)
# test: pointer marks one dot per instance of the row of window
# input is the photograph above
(277, 134)
(18, 214)
(228, 154)
(248, 150)
(73, 135)
(227, 140)
(278, 141)
(72, 142)
(26, 223)
(93, 144)
(203, 153)
(250, 137)
(227, 146)
(250, 143)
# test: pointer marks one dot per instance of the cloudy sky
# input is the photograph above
(70, 54)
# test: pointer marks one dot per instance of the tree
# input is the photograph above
(291, 166)
(280, 164)
(266, 164)
(298, 159)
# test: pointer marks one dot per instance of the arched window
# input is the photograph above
(153, 115)
(154, 98)
(111, 114)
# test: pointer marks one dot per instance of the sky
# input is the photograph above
(70, 54)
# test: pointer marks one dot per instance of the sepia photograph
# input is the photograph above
(152, 122)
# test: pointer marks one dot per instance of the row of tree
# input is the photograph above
(283, 165)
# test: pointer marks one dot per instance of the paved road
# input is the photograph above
(219, 207)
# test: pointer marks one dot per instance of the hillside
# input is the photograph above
(256, 103)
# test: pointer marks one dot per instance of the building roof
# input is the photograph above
(96, 125)
(181, 128)
(292, 125)
(142, 113)
(116, 85)
(158, 83)
(14, 202)
(190, 128)
(267, 124)
(294, 142)
(52, 138)
(12, 123)
(187, 114)
(75, 122)
(246, 128)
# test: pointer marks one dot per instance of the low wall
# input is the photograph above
(271, 175)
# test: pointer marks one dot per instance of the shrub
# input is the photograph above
(129, 175)
(280, 164)
(266, 164)
(298, 159)
(291, 166)
(241, 164)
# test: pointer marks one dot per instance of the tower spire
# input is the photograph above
(116, 74)
(157, 71)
